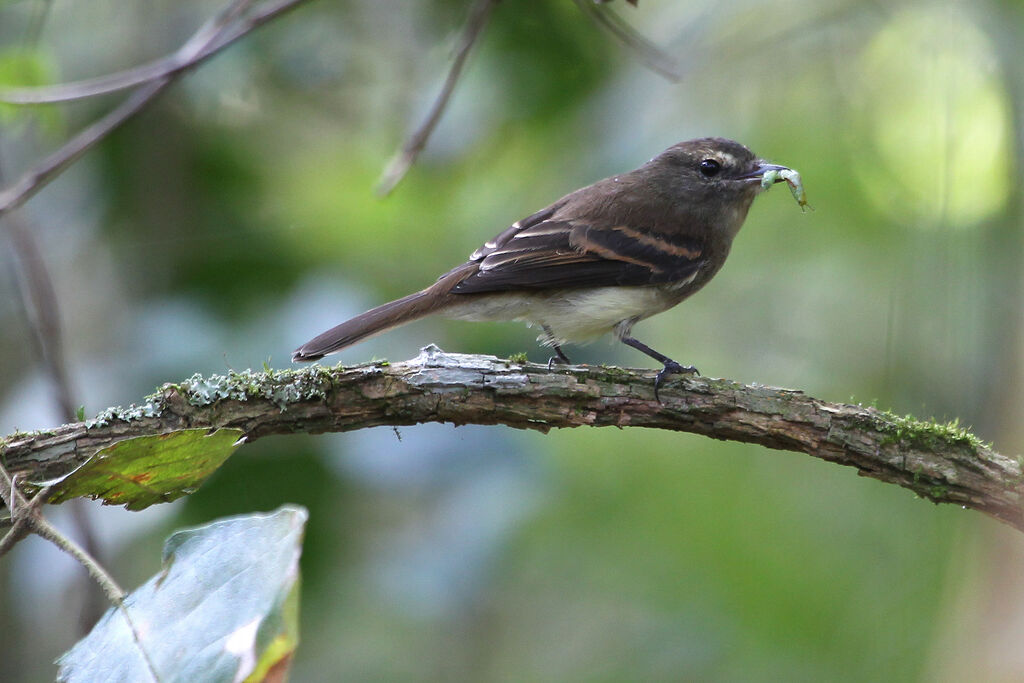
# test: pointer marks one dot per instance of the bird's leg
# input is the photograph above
(671, 367)
(559, 356)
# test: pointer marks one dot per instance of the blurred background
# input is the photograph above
(236, 218)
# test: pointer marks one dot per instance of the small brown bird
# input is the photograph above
(598, 260)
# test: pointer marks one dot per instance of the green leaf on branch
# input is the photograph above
(224, 607)
(145, 470)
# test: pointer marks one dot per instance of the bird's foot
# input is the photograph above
(672, 368)
(558, 360)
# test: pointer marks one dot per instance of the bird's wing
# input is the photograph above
(541, 252)
(511, 231)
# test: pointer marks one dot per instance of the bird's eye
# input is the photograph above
(710, 167)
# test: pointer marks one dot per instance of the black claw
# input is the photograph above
(558, 360)
(671, 368)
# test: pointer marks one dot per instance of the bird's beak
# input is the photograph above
(762, 168)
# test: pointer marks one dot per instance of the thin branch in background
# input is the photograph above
(215, 35)
(27, 518)
(151, 71)
(399, 165)
(39, 300)
(23, 512)
(115, 594)
(39, 304)
(41, 311)
(209, 31)
(20, 523)
(91, 87)
(650, 54)
(56, 163)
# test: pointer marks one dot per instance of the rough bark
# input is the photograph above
(940, 462)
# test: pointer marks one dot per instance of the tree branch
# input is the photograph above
(180, 60)
(216, 34)
(403, 160)
(942, 463)
(653, 57)
(41, 310)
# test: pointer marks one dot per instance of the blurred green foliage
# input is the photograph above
(22, 67)
(236, 218)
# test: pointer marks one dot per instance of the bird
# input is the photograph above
(596, 261)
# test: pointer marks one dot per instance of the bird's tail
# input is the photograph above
(373, 322)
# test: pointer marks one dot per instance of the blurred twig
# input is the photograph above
(40, 303)
(27, 518)
(404, 159)
(24, 512)
(214, 35)
(940, 462)
(479, 14)
(650, 54)
(159, 68)
(41, 310)
(38, 297)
